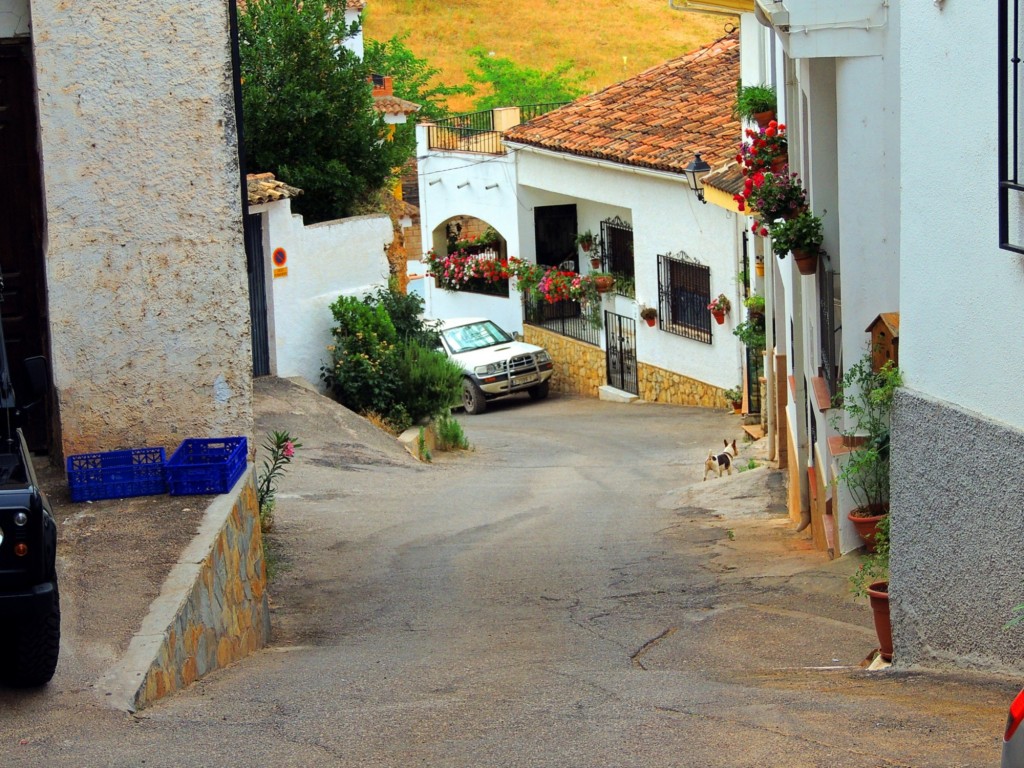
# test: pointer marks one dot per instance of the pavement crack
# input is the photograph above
(635, 656)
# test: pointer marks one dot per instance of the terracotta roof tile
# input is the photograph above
(392, 105)
(728, 179)
(657, 119)
(264, 188)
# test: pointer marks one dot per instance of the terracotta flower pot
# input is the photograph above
(759, 268)
(595, 263)
(806, 261)
(778, 163)
(719, 315)
(878, 595)
(867, 527)
(763, 118)
(650, 321)
(604, 284)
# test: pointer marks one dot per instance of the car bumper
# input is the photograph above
(34, 601)
(496, 386)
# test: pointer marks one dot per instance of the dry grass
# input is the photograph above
(614, 38)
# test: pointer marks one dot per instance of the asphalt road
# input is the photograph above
(569, 593)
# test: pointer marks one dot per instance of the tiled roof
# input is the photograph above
(355, 5)
(264, 188)
(657, 119)
(392, 105)
(728, 179)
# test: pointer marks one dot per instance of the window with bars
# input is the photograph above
(1011, 186)
(617, 253)
(684, 291)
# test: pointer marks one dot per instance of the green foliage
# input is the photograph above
(866, 398)
(308, 106)
(751, 332)
(422, 449)
(875, 566)
(512, 85)
(750, 464)
(415, 80)
(753, 99)
(389, 366)
(450, 436)
(755, 303)
(801, 233)
(427, 383)
(733, 395)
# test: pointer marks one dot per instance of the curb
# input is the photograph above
(212, 609)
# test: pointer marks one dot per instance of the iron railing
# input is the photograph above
(455, 139)
(684, 290)
(529, 111)
(1010, 186)
(566, 318)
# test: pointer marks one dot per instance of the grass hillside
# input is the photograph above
(614, 38)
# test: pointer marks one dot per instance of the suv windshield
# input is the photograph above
(466, 338)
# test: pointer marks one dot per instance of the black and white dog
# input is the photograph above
(718, 462)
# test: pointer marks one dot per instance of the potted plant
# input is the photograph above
(755, 305)
(603, 281)
(871, 579)
(802, 235)
(586, 240)
(773, 196)
(755, 102)
(719, 307)
(734, 397)
(766, 149)
(865, 398)
(650, 314)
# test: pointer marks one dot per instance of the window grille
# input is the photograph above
(1011, 211)
(829, 323)
(617, 251)
(684, 292)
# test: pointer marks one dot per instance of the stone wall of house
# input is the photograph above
(147, 286)
(580, 370)
(220, 587)
(579, 367)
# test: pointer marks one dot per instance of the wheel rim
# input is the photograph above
(467, 398)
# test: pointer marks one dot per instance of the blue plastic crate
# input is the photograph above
(206, 465)
(117, 474)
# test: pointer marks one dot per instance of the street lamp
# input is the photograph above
(695, 173)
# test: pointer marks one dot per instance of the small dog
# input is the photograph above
(718, 462)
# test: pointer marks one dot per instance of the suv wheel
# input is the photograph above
(540, 391)
(31, 648)
(473, 399)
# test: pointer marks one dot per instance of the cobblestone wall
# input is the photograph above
(580, 370)
(224, 615)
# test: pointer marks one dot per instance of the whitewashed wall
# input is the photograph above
(666, 218)
(145, 262)
(324, 261)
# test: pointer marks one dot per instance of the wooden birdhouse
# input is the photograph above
(885, 340)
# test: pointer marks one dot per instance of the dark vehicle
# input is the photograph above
(29, 601)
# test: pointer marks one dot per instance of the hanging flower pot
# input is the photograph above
(719, 306)
(649, 315)
(763, 118)
(719, 315)
(759, 268)
(878, 595)
(604, 283)
(595, 263)
(778, 163)
(806, 261)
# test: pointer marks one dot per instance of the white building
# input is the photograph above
(612, 163)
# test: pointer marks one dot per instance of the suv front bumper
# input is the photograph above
(34, 601)
(496, 386)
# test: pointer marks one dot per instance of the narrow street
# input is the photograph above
(568, 593)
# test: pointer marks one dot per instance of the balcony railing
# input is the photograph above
(479, 131)
(566, 318)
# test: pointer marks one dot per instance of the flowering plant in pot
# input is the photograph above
(650, 314)
(763, 147)
(734, 397)
(720, 303)
(586, 240)
(774, 195)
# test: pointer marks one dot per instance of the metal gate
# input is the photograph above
(755, 370)
(620, 335)
(257, 294)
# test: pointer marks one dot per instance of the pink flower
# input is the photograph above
(289, 449)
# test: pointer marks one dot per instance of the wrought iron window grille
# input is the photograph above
(684, 291)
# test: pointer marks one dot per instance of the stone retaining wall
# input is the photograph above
(212, 610)
(580, 370)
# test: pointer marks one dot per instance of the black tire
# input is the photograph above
(540, 391)
(473, 399)
(33, 646)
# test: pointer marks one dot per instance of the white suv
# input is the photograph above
(493, 363)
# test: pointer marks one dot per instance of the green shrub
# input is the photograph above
(406, 313)
(450, 436)
(428, 383)
(361, 374)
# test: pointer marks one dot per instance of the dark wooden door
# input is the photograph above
(257, 294)
(555, 230)
(23, 308)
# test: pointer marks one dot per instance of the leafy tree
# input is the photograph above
(414, 78)
(513, 85)
(308, 106)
